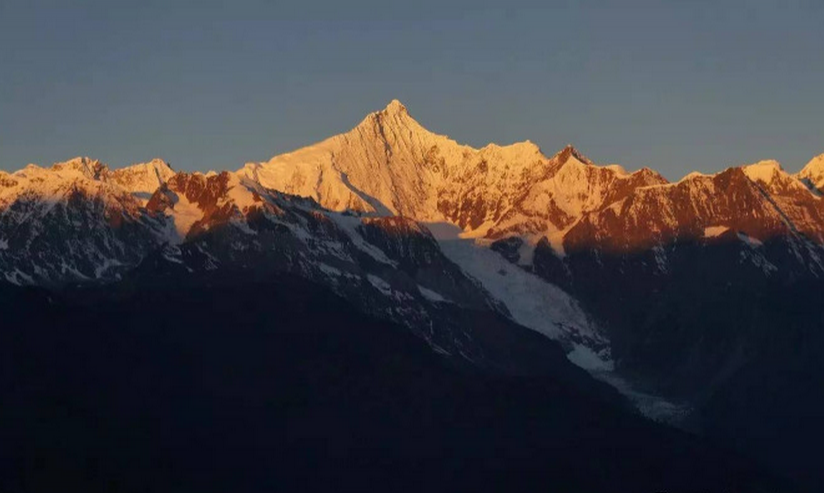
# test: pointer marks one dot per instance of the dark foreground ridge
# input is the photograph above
(282, 385)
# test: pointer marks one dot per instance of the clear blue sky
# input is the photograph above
(677, 86)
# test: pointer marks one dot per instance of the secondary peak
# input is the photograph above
(570, 151)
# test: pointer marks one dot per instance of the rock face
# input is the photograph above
(196, 202)
(759, 201)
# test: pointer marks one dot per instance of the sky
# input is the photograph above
(676, 86)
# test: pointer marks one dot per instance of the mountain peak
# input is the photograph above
(91, 168)
(158, 163)
(570, 151)
(813, 172)
(766, 163)
(394, 114)
(143, 178)
(395, 107)
(816, 165)
(763, 171)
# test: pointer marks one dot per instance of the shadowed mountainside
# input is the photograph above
(282, 385)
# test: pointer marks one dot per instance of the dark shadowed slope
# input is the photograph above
(282, 385)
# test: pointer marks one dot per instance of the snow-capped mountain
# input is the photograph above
(388, 266)
(553, 217)
(759, 202)
(185, 209)
(559, 216)
(142, 179)
(672, 292)
(687, 277)
(79, 222)
(390, 164)
(813, 173)
(71, 222)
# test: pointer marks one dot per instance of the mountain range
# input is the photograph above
(695, 303)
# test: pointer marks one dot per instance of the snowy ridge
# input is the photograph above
(760, 199)
(144, 178)
(813, 173)
(71, 221)
(321, 212)
(764, 171)
(390, 165)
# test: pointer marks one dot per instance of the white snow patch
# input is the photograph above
(240, 191)
(329, 270)
(184, 214)
(533, 302)
(431, 295)
(106, 265)
(813, 172)
(172, 254)
(19, 277)
(660, 257)
(556, 241)
(652, 406)
(763, 171)
(349, 225)
(588, 359)
(439, 349)
(749, 240)
(379, 284)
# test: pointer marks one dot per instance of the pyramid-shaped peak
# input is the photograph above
(395, 107)
(393, 114)
(764, 171)
(158, 164)
(394, 118)
(570, 151)
(816, 165)
(813, 173)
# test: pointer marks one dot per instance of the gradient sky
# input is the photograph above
(677, 86)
